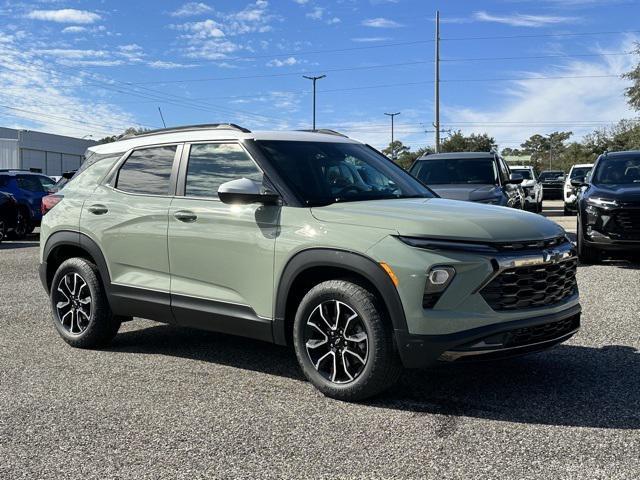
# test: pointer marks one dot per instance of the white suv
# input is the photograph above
(532, 188)
(570, 193)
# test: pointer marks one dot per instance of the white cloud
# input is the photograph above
(48, 101)
(74, 53)
(202, 30)
(164, 65)
(65, 15)
(316, 13)
(283, 63)
(381, 23)
(555, 100)
(369, 39)
(333, 21)
(521, 20)
(74, 29)
(301, 2)
(191, 9)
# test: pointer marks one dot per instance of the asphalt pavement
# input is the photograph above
(165, 402)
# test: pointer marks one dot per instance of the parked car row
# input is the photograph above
(21, 194)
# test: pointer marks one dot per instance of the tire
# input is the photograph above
(23, 225)
(82, 324)
(586, 254)
(566, 212)
(3, 230)
(371, 361)
(539, 207)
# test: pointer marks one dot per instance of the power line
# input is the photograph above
(542, 35)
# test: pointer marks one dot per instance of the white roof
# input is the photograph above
(524, 167)
(214, 134)
(582, 165)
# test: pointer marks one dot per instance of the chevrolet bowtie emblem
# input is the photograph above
(552, 256)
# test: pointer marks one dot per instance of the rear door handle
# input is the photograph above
(185, 216)
(98, 209)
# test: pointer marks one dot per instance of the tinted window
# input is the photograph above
(34, 183)
(580, 172)
(320, 173)
(525, 172)
(617, 170)
(212, 164)
(4, 180)
(551, 175)
(147, 171)
(456, 171)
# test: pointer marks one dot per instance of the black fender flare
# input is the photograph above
(80, 240)
(347, 260)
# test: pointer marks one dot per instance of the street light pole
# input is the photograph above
(393, 150)
(314, 80)
(436, 124)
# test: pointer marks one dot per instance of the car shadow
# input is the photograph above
(12, 245)
(569, 385)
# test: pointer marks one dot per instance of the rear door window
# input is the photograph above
(147, 171)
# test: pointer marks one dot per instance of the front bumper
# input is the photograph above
(604, 242)
(499, 340)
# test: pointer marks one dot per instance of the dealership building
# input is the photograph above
(41, 152)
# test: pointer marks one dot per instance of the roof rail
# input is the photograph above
(326, 131)
(187, 128)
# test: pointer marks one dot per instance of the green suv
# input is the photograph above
(308, 239)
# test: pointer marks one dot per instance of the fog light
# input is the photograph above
(438, 279)
(439, 276)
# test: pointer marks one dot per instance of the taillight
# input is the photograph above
(50, 201)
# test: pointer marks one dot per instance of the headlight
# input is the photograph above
(602, 202)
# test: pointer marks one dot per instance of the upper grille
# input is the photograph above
(532, 286)
(531, 245)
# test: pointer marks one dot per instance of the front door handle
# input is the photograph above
(185, 216)
(98, 209)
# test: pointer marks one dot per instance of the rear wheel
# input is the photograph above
(23, 225)
(81, 312)
(344, 342)
(586, 254)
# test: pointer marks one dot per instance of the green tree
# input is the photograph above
(546, 150)
(397, 148)
(633, 92)
(458, 142)
(128, 131)
(404, 155)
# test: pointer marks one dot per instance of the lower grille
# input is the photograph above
(532, 286)
(626, 223)
(541, 333)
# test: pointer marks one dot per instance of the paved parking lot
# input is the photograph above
(165, 402)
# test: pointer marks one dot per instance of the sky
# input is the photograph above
(511, 68)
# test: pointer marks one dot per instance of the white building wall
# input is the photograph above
(9, 154)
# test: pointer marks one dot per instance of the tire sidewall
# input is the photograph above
(306, 307)
(82, 268)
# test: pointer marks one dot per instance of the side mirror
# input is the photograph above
(244, 191)
(516, 178)
(578, 182)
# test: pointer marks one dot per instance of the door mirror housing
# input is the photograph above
(244, 191)
(516, 178)
(578, 182)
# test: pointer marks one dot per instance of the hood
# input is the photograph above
(437, 217)
(624, 193)
(528, 183)
(468, 192)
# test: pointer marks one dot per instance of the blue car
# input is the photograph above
(27, 188)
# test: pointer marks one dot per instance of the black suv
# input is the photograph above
(609, 208)
(552, 184)
(482, 177)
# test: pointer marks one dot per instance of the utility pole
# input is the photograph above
(393, 150)
(436, 124)
(314, 80)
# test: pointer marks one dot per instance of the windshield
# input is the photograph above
(456, 171)
(617, 171)
(525, 172)
(35, 183)
(321, 173)
(551, 175)
(578, 172)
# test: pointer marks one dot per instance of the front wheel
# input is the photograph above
(343, 341)
(586, 254)
(81, 312)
